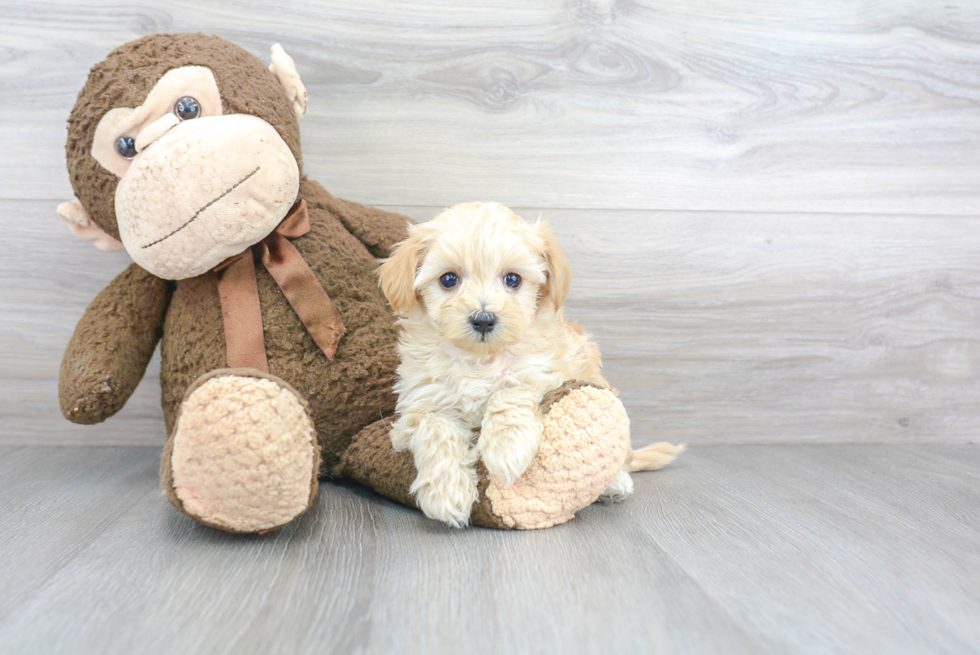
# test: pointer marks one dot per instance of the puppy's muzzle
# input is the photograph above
(483, 323)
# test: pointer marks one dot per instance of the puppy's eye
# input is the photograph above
(512, 281)
(126, 147)
(187, 108)
(448, 280)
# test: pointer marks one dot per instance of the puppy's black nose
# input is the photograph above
(483, 322)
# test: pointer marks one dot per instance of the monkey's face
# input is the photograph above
(196, 186)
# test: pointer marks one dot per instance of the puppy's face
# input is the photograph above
(479, 272)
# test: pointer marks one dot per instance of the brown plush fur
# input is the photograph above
(115, 339)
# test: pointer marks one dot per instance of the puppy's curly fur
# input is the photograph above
(479, 292)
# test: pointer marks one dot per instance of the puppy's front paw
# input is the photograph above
(508, 442)
(447, 495)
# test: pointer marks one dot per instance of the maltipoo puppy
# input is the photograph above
(479, 292)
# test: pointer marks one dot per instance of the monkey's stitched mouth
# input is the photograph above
(198, 212)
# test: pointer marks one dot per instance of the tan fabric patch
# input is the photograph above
(585, 444)
(204, 191)
(244, 454)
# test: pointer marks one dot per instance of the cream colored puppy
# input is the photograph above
(480, 291)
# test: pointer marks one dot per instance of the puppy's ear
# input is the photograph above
(396, 274)
(559, 270)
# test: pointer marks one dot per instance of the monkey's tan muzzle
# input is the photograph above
(204, 190)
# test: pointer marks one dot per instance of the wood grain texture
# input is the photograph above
(736, 549)
(743, 328)
(715, 327)
(767, 105)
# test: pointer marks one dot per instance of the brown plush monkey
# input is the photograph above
(277, 345)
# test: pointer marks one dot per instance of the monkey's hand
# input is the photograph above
(113, 342)
(81, 226)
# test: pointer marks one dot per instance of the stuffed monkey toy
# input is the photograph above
(278, 348)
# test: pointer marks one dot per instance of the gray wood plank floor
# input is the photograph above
(736, 549)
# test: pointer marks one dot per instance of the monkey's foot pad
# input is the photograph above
(243, 456)
(585, 444)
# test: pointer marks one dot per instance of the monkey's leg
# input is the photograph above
(585, 444)
(243, 455)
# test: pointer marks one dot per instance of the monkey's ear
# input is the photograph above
(282, 66)
(82, 226)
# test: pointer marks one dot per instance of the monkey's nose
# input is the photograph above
(155, 130)
(483, 322)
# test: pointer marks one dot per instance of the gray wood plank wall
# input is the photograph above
(771, 206)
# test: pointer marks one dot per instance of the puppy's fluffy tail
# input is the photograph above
(654, 457)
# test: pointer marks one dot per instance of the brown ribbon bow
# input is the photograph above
(239, 293)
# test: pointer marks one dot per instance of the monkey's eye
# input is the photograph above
(448, 280)
(126, 146)
(512, 281)
(187, 108)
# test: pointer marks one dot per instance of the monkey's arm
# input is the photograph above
(377, 229)
(113, 342)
